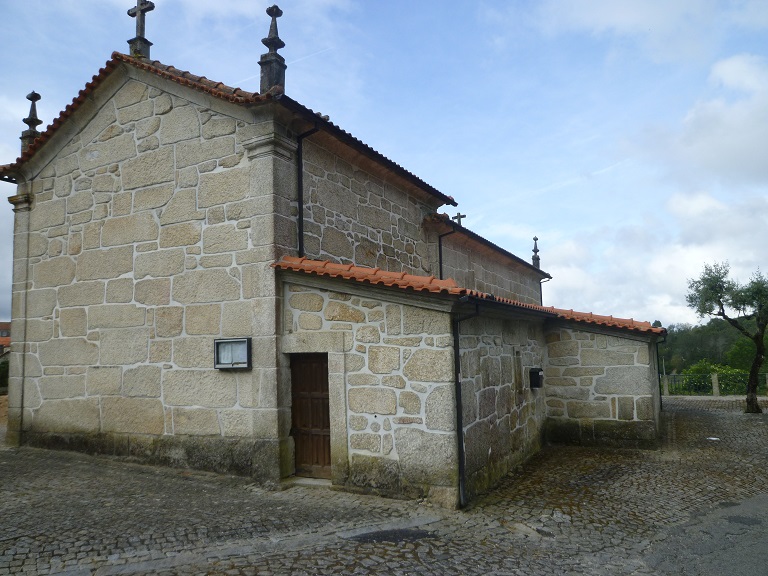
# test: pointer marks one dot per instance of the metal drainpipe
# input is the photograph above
(300, 168)
(440, 250)
(459, 403)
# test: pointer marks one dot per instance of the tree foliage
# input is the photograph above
(715, 294)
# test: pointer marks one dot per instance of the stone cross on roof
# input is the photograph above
(140, 45)
(458, 218)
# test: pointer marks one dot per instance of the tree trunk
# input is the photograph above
(753, 407)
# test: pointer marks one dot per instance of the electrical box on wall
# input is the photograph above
(536, 377)
(232, 354)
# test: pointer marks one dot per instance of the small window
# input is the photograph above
(232, 354)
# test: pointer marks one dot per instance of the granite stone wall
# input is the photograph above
(354, 216)
(601, 389)
(392, 363)
(150, 235)
(485, 271)
(502, 416)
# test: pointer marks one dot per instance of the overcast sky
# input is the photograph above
(630, 136)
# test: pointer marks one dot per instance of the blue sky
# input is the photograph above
(630, 136)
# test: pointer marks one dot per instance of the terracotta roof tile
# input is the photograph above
(374, 276)
(430, 284)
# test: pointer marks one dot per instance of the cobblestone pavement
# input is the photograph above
(568, 510)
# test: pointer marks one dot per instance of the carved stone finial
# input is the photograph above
(139, 46)
(32, 121)
(272, 41)
(458, 218)
(272, 64)
(536, 260)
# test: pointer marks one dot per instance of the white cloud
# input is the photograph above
(666, 30)
(721, 138)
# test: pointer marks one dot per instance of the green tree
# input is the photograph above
(714, 294)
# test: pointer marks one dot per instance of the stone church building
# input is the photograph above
(226, 280)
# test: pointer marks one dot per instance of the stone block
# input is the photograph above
(137, 112)
(58, 271)
(112, 151)
(310, 321)
(371, 400)
(200, 286)
(40, 303)
(69, 416)
(421, 321)
(184, 234)
(68, 352)
(116, 316)
(182, 207)
(120, 291)
(47, 214)
(365, 441)
(142, 381)
(236, 422)
(129, 229)
(222, 187)
(426, 365)
(159, 263)
(193, 352)
(149, 169)
(195, 422)
(237, 319)
(150, 198)
(368, 335)
(361, 379)
(160, 350)
(104, 264)
(409, 402)
(169, 321)
(81, 294)
(578, 409)
(54, 387)
(196, 152)
(383, 359)
(224, 238)
(205, 319)
(208, 388)
(181, 123)
(130, 93)
(132, 415)
(440, 409)
(627, 381)
(103, 380)
(568, 392)
(154, 292)
(563, 349)
(306, 301)
(427, 458)
(645, 410)
(39, 330)
(124, 346)
(73, 322)
(597, 357)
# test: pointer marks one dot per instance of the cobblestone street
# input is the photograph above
(683, 509)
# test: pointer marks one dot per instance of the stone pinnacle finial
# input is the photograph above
(272, 41)
(273, 64)
(139, 46)
(536, 260)
(32, 121)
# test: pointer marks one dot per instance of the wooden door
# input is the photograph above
(311, 428)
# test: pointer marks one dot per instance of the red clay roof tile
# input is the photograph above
(430, 284)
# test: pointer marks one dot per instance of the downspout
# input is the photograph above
(300, 180)
(440, 251)
(459, 404)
